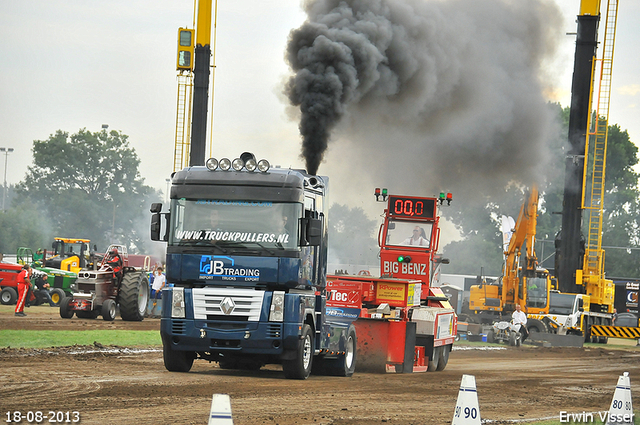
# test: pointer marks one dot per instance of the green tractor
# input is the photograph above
(62, 283)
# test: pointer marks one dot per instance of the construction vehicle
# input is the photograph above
(404, 323)
(526, 284)
(522, 282)
(71, 255)
(580, 262)
(114, 284)
(247, 256)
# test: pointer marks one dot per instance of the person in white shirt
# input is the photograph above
(159, 281)
(417, 238)
(519, 318)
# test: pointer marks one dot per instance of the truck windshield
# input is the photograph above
(561, 303)
(409, 233)
(237, 224)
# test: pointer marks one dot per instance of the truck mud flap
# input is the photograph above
(385, 346)
(555, 340)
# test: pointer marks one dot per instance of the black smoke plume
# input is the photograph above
(440, 88)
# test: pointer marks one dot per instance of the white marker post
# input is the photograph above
(220, 410)
(467, 410)
(621, 410)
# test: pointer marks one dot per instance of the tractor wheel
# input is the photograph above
(108, 310)
(433, 364)
(444, 358)
(300, 366)
(133, 296)
(177, 361)
(57, 295)
(65, 310)
(8, 296)
(491, 336)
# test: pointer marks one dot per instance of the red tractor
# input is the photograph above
(114, 284)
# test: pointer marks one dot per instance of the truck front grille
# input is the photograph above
(233, 304)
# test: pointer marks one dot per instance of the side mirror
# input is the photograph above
(156, 207)
(155, 226)
(314, 231)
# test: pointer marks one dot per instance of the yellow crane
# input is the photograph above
(193, 66)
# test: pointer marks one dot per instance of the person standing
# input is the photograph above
(519, 318)
(159, 282)
(24, 283)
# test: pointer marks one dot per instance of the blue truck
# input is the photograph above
(247, 257)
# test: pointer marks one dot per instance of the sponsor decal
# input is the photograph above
(388, 291)
(344, 298)
(404, 268)
(220, 235)
(224, 268)
(343, 313)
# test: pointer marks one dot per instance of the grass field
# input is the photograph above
(45, 339)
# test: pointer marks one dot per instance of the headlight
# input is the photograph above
(263, 165)
(177, 303)
(225, 164)
(251, 164)
(212, 164)
(237, 164)
(276, 312)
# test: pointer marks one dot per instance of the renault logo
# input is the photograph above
(227, 305)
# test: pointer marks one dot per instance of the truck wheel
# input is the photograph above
(300, 366)
(57, 295)
(177, 361)
(65, 309)
(134, 295)
(8, 296)
(108, 310)
(433, 364)
(345, 365)
(491, 336)
(444, 357)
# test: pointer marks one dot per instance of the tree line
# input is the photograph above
(83, 185)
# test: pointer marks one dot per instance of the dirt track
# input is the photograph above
(118, 386)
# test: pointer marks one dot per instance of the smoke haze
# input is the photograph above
(446, 95)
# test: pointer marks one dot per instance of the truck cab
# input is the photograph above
(247, 255)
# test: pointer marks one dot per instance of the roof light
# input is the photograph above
(225, 164)
(263, 165)
(404, 259)
(237, 164)
(212, 164)
(251, 164)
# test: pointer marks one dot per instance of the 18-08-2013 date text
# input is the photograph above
(37, 417)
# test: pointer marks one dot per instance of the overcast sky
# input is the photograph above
(71, 64)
